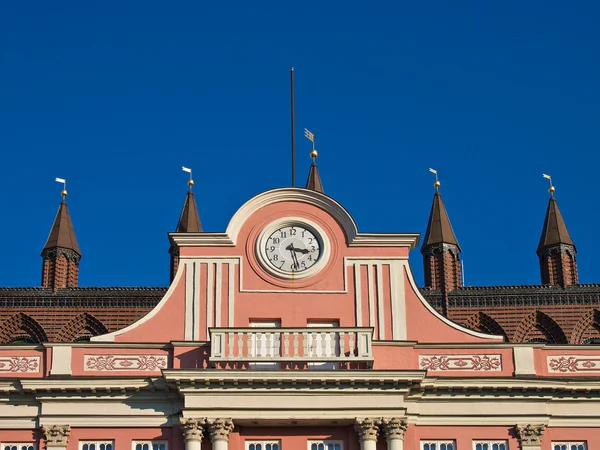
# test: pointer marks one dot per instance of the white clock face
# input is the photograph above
(292, 248)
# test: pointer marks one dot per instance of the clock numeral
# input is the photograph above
(275, 240)
(313, 248)
(310, 258)
(275, 257)
(292, 232)
(272, 248)
(310, 240)
(282, 263)
(283, 234)
(303, 233)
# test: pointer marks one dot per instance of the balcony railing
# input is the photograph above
(313, 347)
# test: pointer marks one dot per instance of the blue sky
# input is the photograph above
(117, 96)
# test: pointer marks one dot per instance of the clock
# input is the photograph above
(292, 248)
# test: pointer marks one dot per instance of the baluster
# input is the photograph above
(240, 344)
(313, 347)
(342, 348)
(323, 350)
(332, 342)
(230, 345)
(270, 337)
(295, 354)
(286, 345)
(351, 337)
(305, 344)
(259, 344)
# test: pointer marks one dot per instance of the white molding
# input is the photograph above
(61, 361)
(357, 294)
(380, 300)
(425, 303)
(110, 337)
(524, 360)
(110, 421)
(307, 196)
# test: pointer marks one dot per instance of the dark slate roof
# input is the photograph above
(439, 229)
(189, 221)
(555, 230)
(81, 297)
(62, 233)
(314, 179)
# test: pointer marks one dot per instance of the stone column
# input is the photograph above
(219, 430)
(530, 436)
(367, 430)
(394, 429)
(192, 433)
(56, 436)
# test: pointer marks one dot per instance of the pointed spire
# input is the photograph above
(439, 229)
(61, 254)
(314, 179)
(554, 231)
(556, 250)
(62, 233)
(189, 220)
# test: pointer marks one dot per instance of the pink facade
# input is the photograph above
(340, 351)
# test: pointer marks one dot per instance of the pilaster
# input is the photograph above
(530, 436)
(56, 436)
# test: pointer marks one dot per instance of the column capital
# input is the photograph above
(56, 435)
(530, 435)
(219, 429)
(192, 429)
(394, 427)
(367, 428)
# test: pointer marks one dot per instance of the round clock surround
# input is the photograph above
(293, 248)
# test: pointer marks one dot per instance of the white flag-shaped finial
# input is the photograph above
(310, 136)
(547, 176)
(61, 180)
(185, 169)
(433, 170)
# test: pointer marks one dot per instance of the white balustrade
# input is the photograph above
(307, 345)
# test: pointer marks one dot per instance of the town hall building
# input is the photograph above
(291, 329)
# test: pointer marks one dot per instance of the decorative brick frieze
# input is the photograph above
(20, 364)
(142, 363)
(56, 435)
(472, 363)
(530, 435)
(573, 363)
(367, 429)
(219, 429)
(192, 429)
(394, 428)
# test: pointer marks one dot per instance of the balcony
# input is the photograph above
(291, 348)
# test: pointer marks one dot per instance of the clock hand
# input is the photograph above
(302, 250)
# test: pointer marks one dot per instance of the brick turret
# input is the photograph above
(189, 222)
(556, 249)
(441, 252)
(61, 254)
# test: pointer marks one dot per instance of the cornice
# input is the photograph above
(92, 384)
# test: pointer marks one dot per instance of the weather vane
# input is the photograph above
(551, 188)
(190, 181)
(311, 137)
(64, 191)
(437, 182)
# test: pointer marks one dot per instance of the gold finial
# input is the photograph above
(437, 183)
(311, 137)
(190, 181)
(551, 189)
(64, 190)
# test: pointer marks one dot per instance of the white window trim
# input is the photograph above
(568, 444)
(490, 442)
(150, 442)
(438, 442)
(325, 442)
(19, 444)
(97, 443)
(248, 442)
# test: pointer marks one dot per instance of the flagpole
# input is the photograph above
(292, 106)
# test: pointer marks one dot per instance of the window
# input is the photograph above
(18, 446)
(569, 445)
(438, 445)
(490, 445)
(263, 445)
(150, 445)
(96, 445)
(325, 445)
